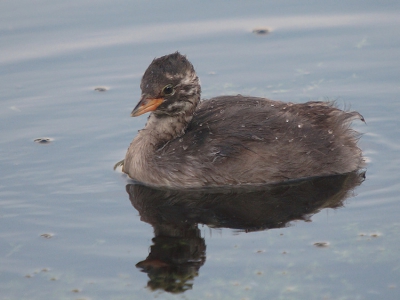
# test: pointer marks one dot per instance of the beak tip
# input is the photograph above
(146, 105)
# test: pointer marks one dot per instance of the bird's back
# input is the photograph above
(248, 140)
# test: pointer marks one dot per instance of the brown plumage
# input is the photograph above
(232, 140)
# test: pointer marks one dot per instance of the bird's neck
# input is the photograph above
(159, 130)
(162, 127)
(141, 158)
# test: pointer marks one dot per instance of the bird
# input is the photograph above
(233, 140)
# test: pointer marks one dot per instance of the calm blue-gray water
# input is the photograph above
(70, 230)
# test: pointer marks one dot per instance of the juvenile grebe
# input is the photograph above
(232, 140)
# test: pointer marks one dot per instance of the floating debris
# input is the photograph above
(101, 89)
(321, 244)
(374, 235)
(47, 235)
(43, 140)
(261, 31)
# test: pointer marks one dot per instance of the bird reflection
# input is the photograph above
(178, 250)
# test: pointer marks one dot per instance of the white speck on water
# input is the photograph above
(300, 125)
(291, 140)
(14, 108)
(330, 131)
(242, 125)
(184, 147)
(287, 120)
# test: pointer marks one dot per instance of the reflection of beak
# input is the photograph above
(145, 105)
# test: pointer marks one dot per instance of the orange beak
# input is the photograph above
(145, 105)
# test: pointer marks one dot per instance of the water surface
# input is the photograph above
(68, 227)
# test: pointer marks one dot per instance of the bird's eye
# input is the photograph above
(168, 90)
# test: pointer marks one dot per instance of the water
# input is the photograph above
(68, 228)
